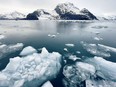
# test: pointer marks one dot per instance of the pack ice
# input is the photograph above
(31, 70)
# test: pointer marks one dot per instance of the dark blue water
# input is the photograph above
(35, 33)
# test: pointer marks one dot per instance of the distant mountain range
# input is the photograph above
(112, 17)
(12, 16)
(63, 11)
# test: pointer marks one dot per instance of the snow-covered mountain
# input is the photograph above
(43, 14)
(12, 16)
(63, 11)
(70, 12)
(112, 17)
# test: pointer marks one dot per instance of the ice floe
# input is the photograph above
(69, 45)
(96, 49)
(77, 73)
(105, 69)
(7, 49)
(99, 26)
(98, 38)
(32, 70)
(92, 72)
(47, 84)
(78, 52)
(73, 57)
(100, 83)
(28, 50)
(97, 33)
(65, 49)
(52, 35)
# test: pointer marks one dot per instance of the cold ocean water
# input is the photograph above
(75, 40)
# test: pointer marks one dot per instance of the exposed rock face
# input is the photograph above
(88, 14)
(64, 11)
(42, 14)
(69, 12)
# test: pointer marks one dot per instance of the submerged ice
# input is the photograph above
(31, 70)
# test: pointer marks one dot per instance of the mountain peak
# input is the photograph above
(68, 7)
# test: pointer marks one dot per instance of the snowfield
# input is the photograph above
(32, 70)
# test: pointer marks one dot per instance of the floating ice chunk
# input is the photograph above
(28, 50)
(53, 36)
(69, 45)
(78, 73)
(96, 49)
(74, 29)
(58, 33)
(100, 83)
(47, 84)
(107, 68)
(2, 36)
(108, 48)
(78, 52)
(7, 49)
(31, 70)
(99, 27)
(73, 57)
(97, 33)
(65, 49)
(14, 63)
(98, 38)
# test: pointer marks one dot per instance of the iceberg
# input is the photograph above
(31, 70)
(28, 50)
(8, 49)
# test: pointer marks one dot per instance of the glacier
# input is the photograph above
(31, 70)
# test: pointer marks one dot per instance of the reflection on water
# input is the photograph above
(69, 38)
(36, 34)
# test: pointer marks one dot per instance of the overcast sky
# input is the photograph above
(98, 7)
